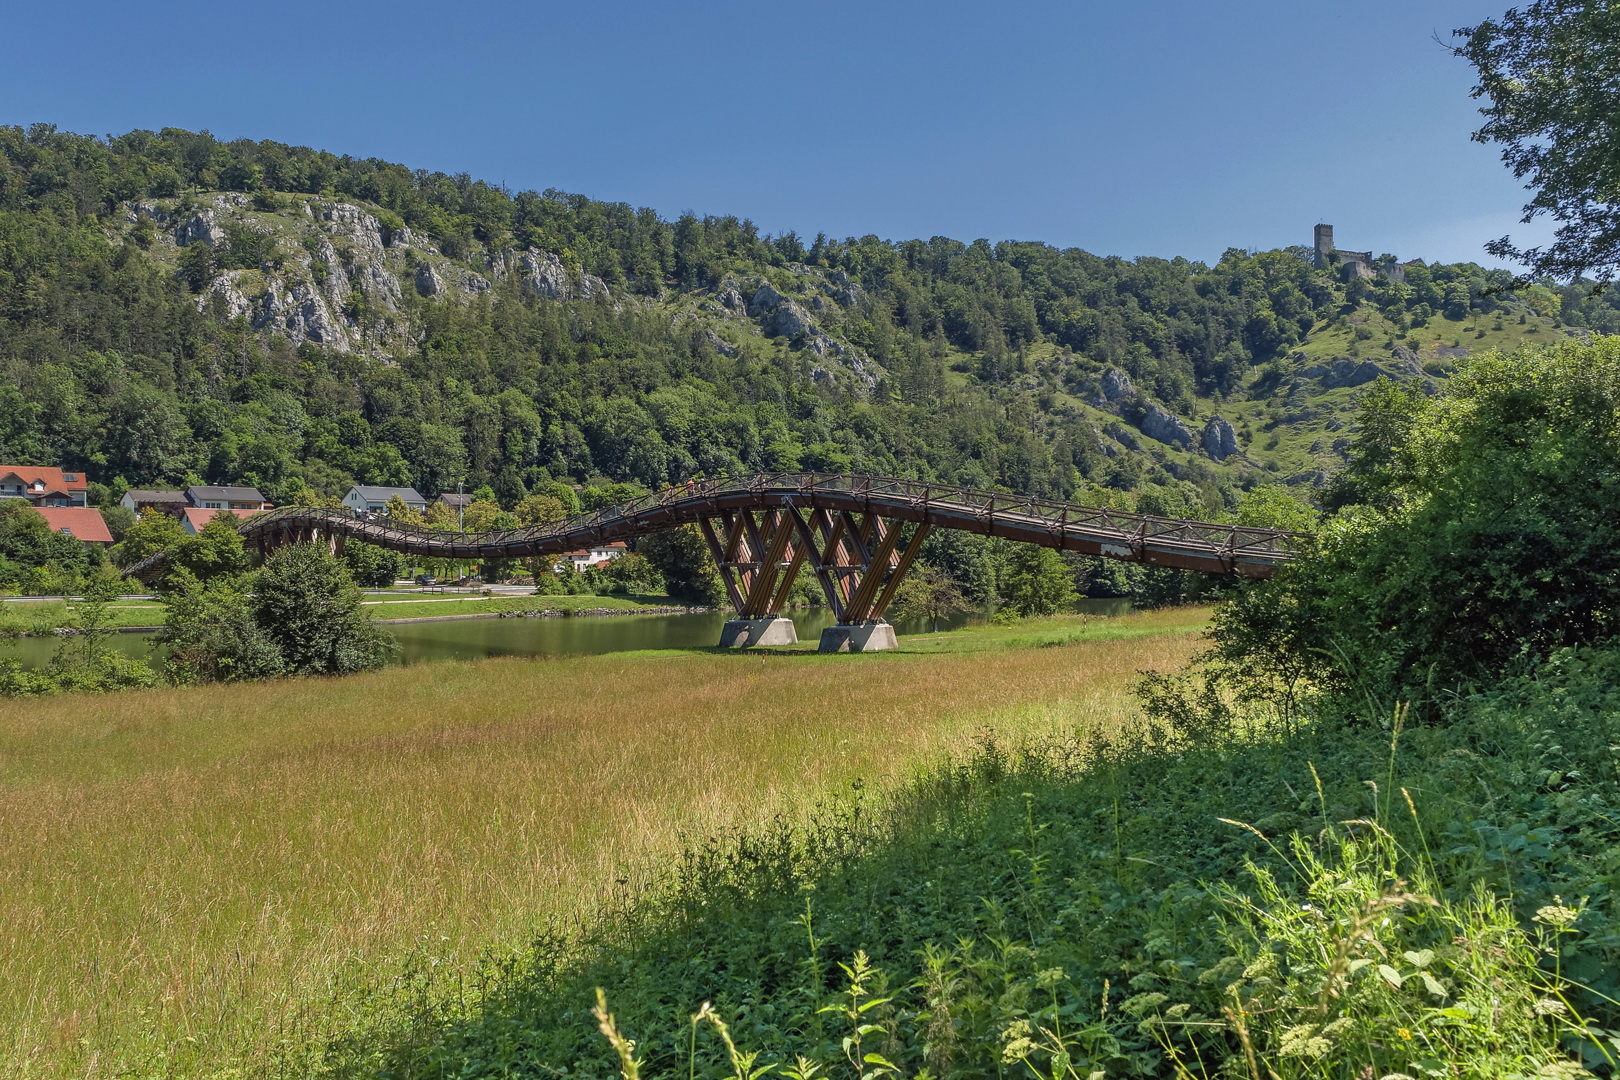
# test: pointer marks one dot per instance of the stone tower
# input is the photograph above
(1324, 245)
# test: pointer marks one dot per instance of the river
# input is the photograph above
(467, 639)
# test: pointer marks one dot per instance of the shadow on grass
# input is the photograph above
(1069, 875)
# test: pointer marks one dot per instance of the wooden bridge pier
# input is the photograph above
(859, 560)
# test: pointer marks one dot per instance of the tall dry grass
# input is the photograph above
(191, 878)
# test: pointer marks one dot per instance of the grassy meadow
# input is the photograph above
(207, 881)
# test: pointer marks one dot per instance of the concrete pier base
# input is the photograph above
(745, 633)
(861, 637)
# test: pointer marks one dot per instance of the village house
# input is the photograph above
(79, 522)
(42, 485)
(193, 518)
(374, 500)
(600, 555)
(219, 497)
(138, 499)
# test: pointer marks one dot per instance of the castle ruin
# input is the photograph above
(1360, 262)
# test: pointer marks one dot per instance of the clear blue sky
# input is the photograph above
(1156, 128)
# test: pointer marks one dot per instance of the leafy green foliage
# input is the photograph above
(371, 566)
(299, 614)
(929, 594)
(306, 601)
(682, 559)
(1555, 122)
(1138, 907)
(211, 633)
(1488, 538)
(32, 556)
(1039, 582)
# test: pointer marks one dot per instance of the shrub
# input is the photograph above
(1476, 532)
(306, 602)
(299, 615)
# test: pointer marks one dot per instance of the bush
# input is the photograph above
(1476, 532)
(211, 633)
(299, 615)
(371, 566)
(306, 602)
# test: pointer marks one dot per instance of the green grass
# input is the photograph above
(221, 878)
(1337, 902)
(43, 616)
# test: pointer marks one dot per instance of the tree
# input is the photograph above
(480, 515)
(1038, 582)
(929, 593)
(1273, 506)
(632, 573)
(211, 634)
(540, 510)
(27, 543)
(399, 511)
(1488, 541)
(682, 559)
(1546, 72)
(371, 566)
(310, 607)
(152, 532)
(216, 551)
(596, 498)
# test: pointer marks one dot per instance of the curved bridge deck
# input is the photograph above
(761, 529)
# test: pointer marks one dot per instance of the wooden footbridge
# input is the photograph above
(851, 532)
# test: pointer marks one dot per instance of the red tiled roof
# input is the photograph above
(80, 522)
(54, 479)
(198, 516)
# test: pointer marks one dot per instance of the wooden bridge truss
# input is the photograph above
(760, 553)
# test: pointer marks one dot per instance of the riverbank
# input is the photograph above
(53, 618)
(208, 878)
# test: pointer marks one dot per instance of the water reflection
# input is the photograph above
(468, 639)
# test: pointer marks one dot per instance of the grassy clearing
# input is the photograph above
(1332, 903)
(43, 616)
(216, 875)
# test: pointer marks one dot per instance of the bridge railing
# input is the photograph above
(1128, 526)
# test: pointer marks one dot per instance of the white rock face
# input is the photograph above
(227, 289)
(200, 228)
(543, 274)
(1116, 384)
(1220, 440)
(1158, 424)
(428, 282)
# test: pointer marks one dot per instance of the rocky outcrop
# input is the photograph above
(780, 316)
(225, 295)
(200, 228)
(428, 281)
(1220, 440)
(1344, 371)
(1115, 385)
(1158, 424)
(543, 274)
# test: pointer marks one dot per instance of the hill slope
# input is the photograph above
(174, 308)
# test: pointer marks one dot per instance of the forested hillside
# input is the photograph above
(176, 308)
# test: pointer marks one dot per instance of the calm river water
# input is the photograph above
(465, 639)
